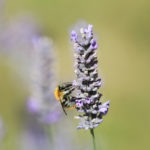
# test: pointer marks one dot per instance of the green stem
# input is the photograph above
(48, 130)
(93, 138)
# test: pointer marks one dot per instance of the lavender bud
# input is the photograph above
(93, 45)
(73, 36)
(79, 103)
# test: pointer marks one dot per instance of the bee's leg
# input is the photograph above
(63, 109)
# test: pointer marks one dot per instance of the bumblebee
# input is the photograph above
(63, 93)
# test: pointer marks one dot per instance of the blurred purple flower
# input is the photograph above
(17, 34)
(52, 117)
(43, 111)
(41, 100)
(16, 43)
(33, 105)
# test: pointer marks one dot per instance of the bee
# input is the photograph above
(63, 93)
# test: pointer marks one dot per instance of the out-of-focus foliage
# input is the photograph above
(123, 35)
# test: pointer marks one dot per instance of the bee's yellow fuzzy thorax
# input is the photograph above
(57, 94)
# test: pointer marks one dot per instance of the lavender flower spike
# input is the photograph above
(88, 82)
(41, 101)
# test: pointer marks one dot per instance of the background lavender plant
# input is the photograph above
(43, 110)
(41, 100)
(87, 80)
(16, 44)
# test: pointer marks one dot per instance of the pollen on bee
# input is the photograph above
(71, 107)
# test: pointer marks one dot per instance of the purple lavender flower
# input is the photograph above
(33, 105)
(87, 101)
(73, 36)
(93, 45)
(41, 101)
(79, 104)
(16, 42)
(89, 31)
(87, 81)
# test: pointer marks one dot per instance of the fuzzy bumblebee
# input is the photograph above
(63, 93)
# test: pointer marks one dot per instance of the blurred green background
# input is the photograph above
(123, 32)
